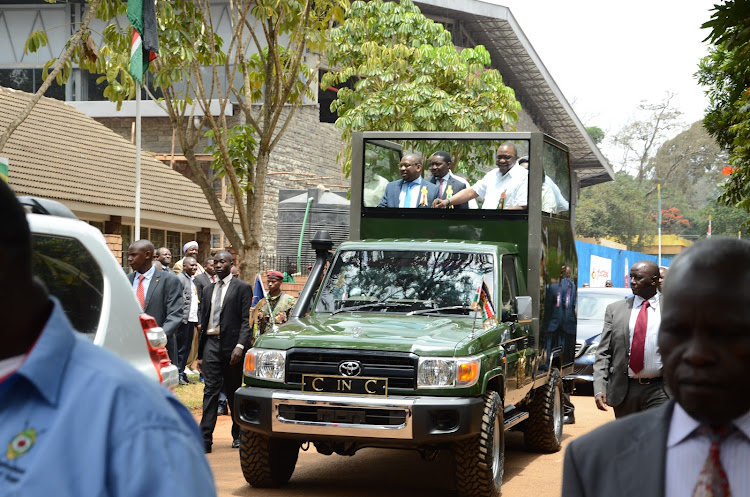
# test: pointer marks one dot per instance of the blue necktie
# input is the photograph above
(407, 196)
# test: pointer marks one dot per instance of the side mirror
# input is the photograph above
(523, 309)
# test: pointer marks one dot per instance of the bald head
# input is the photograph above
(644, 279)
(140, 254)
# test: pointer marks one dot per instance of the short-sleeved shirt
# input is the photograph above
(79, 421)
(514, 184)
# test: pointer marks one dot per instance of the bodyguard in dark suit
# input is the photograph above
(448, 185)
(158, 292)
(225, 335)
(190, 316)
(699, 443)
(627, 369)
(412, 190)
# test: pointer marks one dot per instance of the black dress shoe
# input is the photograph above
(569, 420)
(236, 443)
(184, 381)
(222, 410)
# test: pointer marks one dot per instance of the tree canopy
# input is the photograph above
(406, 75)
(725, 73)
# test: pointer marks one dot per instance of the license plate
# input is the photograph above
(344, 385)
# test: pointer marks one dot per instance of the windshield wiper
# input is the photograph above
(370, 305)
(436, 309)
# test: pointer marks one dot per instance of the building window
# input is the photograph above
(174, 245)
(326, 97)
(30, 80)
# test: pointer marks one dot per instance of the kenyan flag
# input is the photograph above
(145, 44)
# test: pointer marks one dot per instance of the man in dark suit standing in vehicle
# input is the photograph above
(412, 190)
(699, 443)
(158, 292)
(448, 185)
(225, 335)
(627, 370)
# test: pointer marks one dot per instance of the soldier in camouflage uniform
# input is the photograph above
(279, 303)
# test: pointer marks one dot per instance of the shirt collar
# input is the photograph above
(653, 301)
(45, 363)
(148, 274)
(227, 279)
(683, 425)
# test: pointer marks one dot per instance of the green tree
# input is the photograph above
(271, 41)
(408, 76)
(618, 210)
(725, 72)
(596, 133)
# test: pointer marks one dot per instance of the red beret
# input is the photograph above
(275, 275)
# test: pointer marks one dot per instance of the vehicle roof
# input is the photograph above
(606, 291)
(431, 244)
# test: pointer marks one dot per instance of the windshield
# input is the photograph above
(405, 281)
(593, 305)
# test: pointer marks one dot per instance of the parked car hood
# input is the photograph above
(588, 328)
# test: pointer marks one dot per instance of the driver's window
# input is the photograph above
(510, 285)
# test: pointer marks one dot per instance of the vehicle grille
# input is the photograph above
(399, 367)
(316, 414)
(582, 369)
(579, 346)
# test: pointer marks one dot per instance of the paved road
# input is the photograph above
(392, 473)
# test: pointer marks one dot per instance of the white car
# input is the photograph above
(74, 262)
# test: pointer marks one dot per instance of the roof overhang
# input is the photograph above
(512, 54)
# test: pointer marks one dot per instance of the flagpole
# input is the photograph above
(138, 162)
(658, 196)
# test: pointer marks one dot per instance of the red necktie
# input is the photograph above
(639, 339)
(712, 480)
(139, 292)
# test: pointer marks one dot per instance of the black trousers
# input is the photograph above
(184, 342)
(218, 372)
(641, 397)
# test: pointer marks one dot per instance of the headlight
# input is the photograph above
(265, 364)
(438, 372)
(592, 349)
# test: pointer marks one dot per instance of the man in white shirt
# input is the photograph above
(506, 187)
(627, 369)
(699, 443)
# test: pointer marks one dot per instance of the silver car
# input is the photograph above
(592, 303)
(72, 258)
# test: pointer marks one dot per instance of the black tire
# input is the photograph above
(543, 429)
(480, 459)
(267, 462)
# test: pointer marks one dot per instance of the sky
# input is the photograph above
(608, 56)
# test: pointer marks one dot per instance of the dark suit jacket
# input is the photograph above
(234, 320)
(164, 300)
(457, 187)
(624, 458)
(393, 189)
(613, 353)
(187, 296)
(201, 281)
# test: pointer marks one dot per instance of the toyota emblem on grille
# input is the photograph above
(350, 368)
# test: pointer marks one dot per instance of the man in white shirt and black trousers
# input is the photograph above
(699, 443)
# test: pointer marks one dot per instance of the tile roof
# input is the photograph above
(62, 154)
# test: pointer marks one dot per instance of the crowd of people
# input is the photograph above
(504, 187)
(208, 317)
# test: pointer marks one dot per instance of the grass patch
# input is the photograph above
(191, 395)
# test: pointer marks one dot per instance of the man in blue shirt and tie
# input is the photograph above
(76, 419)
(412, 190)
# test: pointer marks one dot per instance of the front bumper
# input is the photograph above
(413, 420)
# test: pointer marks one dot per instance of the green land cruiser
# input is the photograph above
(431, 329)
